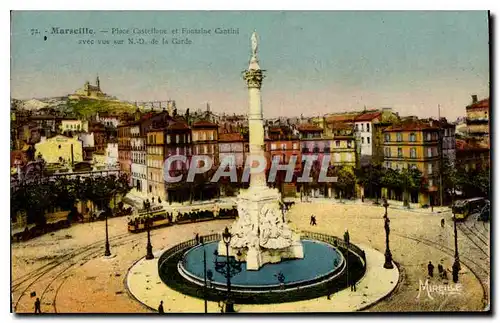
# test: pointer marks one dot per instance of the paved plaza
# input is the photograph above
(68, 272)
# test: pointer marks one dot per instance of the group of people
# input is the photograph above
(441, 271)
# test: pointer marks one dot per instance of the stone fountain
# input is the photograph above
(260, 233)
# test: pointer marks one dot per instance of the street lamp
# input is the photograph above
(229, 267)
(149, 247)
(346, 240)
(205, 273)
(107, 252)
(388, 256)
(456, 263)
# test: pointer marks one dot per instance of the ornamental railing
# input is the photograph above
(187, 244)
(335, 241)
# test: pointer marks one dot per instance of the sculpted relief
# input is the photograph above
(274, 234)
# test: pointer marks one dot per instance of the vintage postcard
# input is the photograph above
(250, 162)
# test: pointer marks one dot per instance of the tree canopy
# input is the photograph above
(36, 198)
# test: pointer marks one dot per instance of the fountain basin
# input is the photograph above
(322, 262)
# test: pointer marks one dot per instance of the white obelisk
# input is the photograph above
(260, 233)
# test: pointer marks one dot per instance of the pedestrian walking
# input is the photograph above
(346, 236)
(454, 272)
(312, 220)
(444, 275)
(440, 269)
(197, 237)
(153, 200)
(37, 306)
(160, 308)
(430, 269)
(442, 223)
(159, 200)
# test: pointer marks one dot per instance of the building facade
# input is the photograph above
(205, 140)
(155, 158)
(363, 131)
(124, 150)
(60, 149)
(343, 152)
(415, 145)
(112, 155)
(139, 169)
(478, 119)
(233, 147)
(472, 155)
(73, 125)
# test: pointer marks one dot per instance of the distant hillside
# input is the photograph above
(87, 107)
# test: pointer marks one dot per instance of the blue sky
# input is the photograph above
(316, 62)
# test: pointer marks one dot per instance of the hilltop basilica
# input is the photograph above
(89, 91)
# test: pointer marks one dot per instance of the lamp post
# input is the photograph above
(229, 267)
(107, 252)
(456, 263)
(346, 240)
(226, 236)
(388, 256)
(149, 247)
(204, 273)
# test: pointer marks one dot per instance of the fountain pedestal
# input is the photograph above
(261, 233)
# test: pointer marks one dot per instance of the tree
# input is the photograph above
(65, 193)
(391, 179)
(412, 180)
(474, 182)
(34, 198)
(346, 181)
(370, 177)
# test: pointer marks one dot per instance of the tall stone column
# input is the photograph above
(253, 77)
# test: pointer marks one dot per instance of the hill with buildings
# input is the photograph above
(86, 107)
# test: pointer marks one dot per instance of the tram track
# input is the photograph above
(49, 266)
(84, 254)
(476, 268)
(471, 236)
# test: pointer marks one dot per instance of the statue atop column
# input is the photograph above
(255, 44)
(254, 62)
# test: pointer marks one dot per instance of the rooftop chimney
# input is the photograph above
(474, 98)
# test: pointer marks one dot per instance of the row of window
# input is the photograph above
(315, 150)
(171, 139)
(431, 152)
(139, 175)
(203, 135)
(399, 166)
(155, 163)
(284, 146)
(155, 177)
(155, 150)
(363, 140)
(362, 127)
(412, 137)
(205, 149)
(73, 126)
(311, 135)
